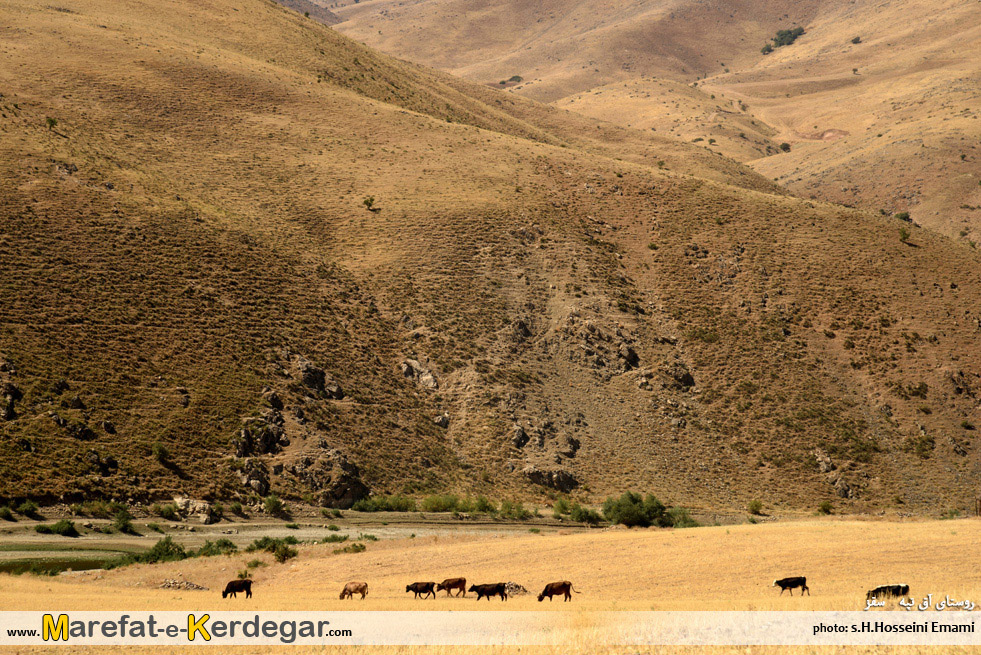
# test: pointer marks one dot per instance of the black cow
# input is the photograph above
(489, 590)
(421, 589)
(557, 589)
(791, 584)
(236, 586)
(887, 591)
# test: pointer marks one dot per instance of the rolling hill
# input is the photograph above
(243, 254)
(877, 100)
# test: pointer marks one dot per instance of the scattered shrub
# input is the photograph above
(7, 514)
(244, 574)
(385, 504)
(283, 553)
(273, 505)
(560, 508)
(155, 527)
(826, 507)
(352, 548)
(335, 538)
(367, 537)
(444, 503)
(857, 39)
(631, 509)
(755, 507)
(64, 527)
(220, 547)
(255, 563)
(582, 514)
(785, 146)
(269, 544)
(514, 510)
(168, 511)
(967, 425)
(292, 526)
(484, 505)
(159, 452)
(333, 528)
(904, 234)
(28, 508)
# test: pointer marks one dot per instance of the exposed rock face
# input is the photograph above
(678, 376)
(422, 375)
(443, 420)
(519, 437)
(559, 479)
(104, 466)
(261, 436)
(336, 480)
(255, 475)
(315, 379)
(824, 463)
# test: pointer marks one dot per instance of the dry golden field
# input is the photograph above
(711, 568)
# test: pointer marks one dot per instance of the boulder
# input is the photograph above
(255, 475)
(411, 368)
(443, 420)
(519, 437)
(678, 376)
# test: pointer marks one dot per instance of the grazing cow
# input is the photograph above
(352, 588)
(489, 590)
(791, 584)
(453, 583)
(421, 589)
(556, 589)
(236, 586)
(887, 591)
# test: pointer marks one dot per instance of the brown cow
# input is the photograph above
(555, 589)
(352, 588)
(422, 588)
(453, 583)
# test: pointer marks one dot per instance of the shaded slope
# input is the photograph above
(187, 248)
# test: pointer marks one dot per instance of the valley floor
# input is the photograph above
(710, 568)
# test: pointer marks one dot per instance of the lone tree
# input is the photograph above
(52, 122)
(369, 203)
(904, 234)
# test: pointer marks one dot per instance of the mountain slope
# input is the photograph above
(197, 299)
(878, 100)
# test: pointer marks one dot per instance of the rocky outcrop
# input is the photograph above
(261, 435)
(519, 438)
(411, 368)
(335, 481)
(677, 376)
(255, 475)
(559, 479)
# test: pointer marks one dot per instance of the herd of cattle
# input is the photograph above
(424, 589)
(563, 588)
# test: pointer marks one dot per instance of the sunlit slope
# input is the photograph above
(197, 298)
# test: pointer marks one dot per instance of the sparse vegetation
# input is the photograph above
(385, 504)
(274, 506)
(826, 507)
(632, 509)
(167, 511)
(755, 507)
(64, 528)
(29, 509)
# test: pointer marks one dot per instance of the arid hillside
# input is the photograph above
(878, 101)
(243, 254)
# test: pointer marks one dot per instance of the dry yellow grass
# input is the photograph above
(712, 568)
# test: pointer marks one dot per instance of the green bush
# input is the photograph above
(155, 527)
(292, 526)
(826, 507)
(335, 538)
(631, 509)
(244, 574)
(165, 550)
(385, 504)
(514, 510)
(352, 548)
(581, 514)
(64, 527)
(7, 514)
(274, 506)
(443, 503)
(560, 508)
(904, 234)
(123, 522)
(168, 511)
(159, 452)
(755, 507)
(283, 552)
(333, 528)
(236, 508)
(28, 508)
(255, 563)
(269, 544)
(786, 37)
(484, 505)
(220, 547)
